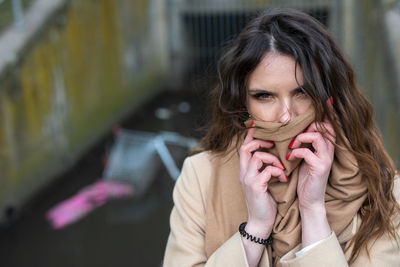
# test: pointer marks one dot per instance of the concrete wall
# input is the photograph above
(87, 66)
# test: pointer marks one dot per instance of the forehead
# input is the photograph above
(276, 71)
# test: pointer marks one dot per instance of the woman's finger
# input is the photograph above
(249, 136)
(271, 171)
(247, 148)
(322, 127)
(261, 157)
(315, 138)
(256, 144)
(304, 153)
(244, 155)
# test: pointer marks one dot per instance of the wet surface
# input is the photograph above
(129, 232)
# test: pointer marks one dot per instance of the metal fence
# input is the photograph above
(200, 29)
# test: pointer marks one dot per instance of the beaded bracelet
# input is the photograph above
(253, 238)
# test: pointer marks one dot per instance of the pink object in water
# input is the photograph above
(88, 199)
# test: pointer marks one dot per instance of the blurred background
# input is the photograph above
(88, 87)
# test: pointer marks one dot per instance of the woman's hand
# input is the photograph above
(315, 169)
(260, 204)
(313, 178)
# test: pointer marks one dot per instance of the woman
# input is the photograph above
(292, 156)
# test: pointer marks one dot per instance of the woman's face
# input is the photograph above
(273, 94)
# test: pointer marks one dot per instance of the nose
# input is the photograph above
(286, 112)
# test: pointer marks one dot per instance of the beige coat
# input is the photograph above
(186, 242)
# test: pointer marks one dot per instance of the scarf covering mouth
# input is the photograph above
(226, 206)
(283, 134)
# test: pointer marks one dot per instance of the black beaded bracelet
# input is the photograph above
(253, 238)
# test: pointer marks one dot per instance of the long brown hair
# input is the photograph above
(326, 74)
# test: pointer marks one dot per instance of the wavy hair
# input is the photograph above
(326, 73)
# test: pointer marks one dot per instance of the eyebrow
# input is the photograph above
(256, 91)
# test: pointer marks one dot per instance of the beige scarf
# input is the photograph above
(226, 207)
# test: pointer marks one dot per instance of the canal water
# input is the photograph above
(124, 232)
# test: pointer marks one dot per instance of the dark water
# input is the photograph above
(129, 232)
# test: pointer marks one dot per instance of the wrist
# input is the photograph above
(258, 229)
(315, 225)
(250, 237)
(317, 209)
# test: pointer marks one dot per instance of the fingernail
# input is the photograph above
(331, 99)
(283, 165)
(291, 144)
(287, 179)
(287, 157)
(252, 124)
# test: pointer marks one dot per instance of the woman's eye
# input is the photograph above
(301, 93)
(262, 96)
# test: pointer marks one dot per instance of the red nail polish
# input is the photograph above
(331, 99)
(287, 179)
(252, 124)
(287, 157)
(291, 144)
(283, 165)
